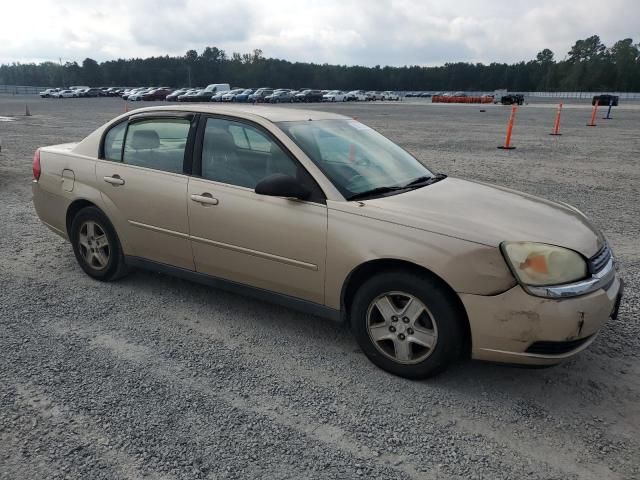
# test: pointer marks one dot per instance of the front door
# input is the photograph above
(145, 190)
(273, 243)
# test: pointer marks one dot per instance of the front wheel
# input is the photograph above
(407, 324)
(96, 245)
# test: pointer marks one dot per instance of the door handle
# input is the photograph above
(205, 199)
(114, 180)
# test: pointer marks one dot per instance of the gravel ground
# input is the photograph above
(154, 377)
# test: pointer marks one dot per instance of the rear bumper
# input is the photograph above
(515, 327)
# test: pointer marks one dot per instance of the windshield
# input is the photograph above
(353, 156)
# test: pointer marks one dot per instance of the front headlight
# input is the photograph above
(538, 264)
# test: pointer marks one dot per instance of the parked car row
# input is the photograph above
(71, 92)
(280, 95)
(221, 92)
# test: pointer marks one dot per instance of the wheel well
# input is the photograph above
(72, 211)
(369, 269)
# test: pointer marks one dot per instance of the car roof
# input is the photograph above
(273, 114)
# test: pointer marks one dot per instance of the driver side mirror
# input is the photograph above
(280, 185)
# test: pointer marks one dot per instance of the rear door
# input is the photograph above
(144, 180)
(273, 243)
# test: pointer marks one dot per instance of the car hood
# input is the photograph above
(487, 214)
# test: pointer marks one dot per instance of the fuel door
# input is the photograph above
(68, 179)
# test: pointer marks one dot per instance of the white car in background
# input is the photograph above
(334, 96)
(65, 94)
(133, 91)
(388, 95)
(231, 95)
(49, 92)
(137, 96)
(357, 95)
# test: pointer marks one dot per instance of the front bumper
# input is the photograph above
(505, 327)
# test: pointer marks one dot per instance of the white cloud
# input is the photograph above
(388, 32)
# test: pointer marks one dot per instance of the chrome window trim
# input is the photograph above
(598, 280)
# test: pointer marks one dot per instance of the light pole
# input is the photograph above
(62, 67)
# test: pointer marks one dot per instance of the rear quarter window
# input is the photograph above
(113, 142)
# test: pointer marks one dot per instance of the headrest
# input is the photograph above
(145, 139)
(219, 139)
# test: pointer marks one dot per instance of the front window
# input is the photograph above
(239, 154)
(356, 158)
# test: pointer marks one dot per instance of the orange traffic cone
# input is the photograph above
(592, 123)
(556, 125)
(512, 119)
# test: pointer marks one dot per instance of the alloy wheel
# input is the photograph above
(93, 245)
(401, 327)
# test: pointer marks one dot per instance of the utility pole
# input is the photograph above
(62, 67)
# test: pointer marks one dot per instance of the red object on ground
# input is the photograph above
(36, 165)
(444, 99)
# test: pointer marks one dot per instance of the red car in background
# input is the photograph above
(157, 94)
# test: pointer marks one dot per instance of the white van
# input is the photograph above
(218, 87)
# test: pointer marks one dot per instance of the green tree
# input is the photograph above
(91, 72)
(589, 66)
(588, 49)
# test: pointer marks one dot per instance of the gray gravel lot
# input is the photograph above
(154, 377)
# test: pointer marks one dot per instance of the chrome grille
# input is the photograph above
(600, 259)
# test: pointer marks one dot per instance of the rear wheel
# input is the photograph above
(96, 245)
(407, 324)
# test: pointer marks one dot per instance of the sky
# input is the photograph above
(351, 32)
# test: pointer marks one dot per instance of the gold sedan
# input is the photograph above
(321, 213)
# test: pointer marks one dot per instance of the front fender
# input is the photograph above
(353, 239)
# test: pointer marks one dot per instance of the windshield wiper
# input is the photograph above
(423, 181)
(416, 183)
(373, 192)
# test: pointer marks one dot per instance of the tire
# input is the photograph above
(401, 348)
(107, 263)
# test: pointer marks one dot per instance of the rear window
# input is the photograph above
(157, 143)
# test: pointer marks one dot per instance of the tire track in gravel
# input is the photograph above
(88, 439)
(272, 407)
(280, 412)
(167, 378)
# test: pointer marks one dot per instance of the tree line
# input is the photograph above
(588, 66)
